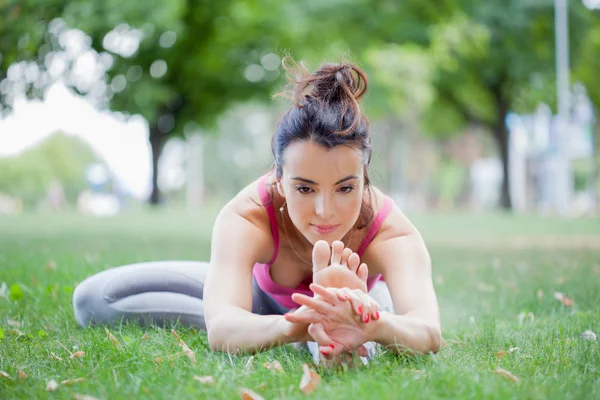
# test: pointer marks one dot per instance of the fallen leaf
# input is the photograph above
(22, 374)
(51, 265)
(5, 375)
(453, 341)
(188, 352)
(274, 366)
(502, 353)
(484, 287)
(540, 294)
(112, 338)
(78, 396)
(588, 335)
(563, 299)
(55, 356)
(207, 380)
(72, 381)
(14, 323)
(78, 354)
(145, 337)
(262, 385)
(506, 374)
(248, 394)
(51, 386)
(310, 380)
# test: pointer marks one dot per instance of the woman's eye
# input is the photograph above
(304, 189)
(346, 189)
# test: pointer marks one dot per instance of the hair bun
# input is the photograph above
(337, 85)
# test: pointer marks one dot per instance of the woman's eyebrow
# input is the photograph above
(297, 178)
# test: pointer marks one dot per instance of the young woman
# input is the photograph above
(307, 228)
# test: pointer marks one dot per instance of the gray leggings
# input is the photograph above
(163, 292)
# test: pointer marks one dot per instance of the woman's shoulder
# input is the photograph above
(249, 204)
(396, 223)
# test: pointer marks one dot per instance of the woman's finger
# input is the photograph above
(314, 303)
(328, 294)
(318, 333)
(307, 317)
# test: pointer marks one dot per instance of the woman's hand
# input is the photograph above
(335, 323)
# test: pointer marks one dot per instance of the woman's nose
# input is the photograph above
(323, 207)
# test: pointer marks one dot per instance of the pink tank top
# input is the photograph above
(261, 272)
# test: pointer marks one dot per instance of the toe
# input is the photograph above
(353, 262)
(345, 254)
(363, 272)
(320, 256)
(337, 248)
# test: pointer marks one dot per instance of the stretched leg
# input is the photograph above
(159, 292)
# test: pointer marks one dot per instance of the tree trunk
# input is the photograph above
(157, 142)
(500, 132)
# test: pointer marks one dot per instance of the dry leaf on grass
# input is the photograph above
(207, 380)
(72, 381)
(112, 338)
(51, 386)
(506, 374)
(540, 294)
(563, 299)
(310, 380)
(247, 394)
(22, 374)
(188, 352)
(262, 385)
(77, 354)
(51, 265)
(274, 366)
(14, 323)
(55, 356)
(78, 396)
(502, 353)
(145, 337)
(5, 375)
(588, 335)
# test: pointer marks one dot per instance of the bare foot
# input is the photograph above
(345, 269)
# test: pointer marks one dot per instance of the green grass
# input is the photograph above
(488, 270)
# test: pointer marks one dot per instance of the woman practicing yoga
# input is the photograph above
(310, 227)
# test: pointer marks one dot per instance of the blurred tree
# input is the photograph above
(458, 62)
(60, 158)
(178, 64)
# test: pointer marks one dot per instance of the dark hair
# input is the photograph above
(325, 110)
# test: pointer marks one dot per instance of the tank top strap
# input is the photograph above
(388, 204)
(267, 202)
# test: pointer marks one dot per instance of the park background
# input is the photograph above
(126, 125)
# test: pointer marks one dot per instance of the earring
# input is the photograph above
(281, 208)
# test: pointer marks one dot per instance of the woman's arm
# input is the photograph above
(405, 263)
(237, 243)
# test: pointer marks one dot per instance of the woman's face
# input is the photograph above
(323, 189)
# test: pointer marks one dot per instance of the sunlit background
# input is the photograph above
(108, 106)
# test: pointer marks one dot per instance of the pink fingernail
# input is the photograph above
(376, 317)
(366, 318)
(360, 309)
(332, 346)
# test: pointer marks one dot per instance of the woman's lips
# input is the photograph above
(324, 229)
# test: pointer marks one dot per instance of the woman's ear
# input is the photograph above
(280, 188)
